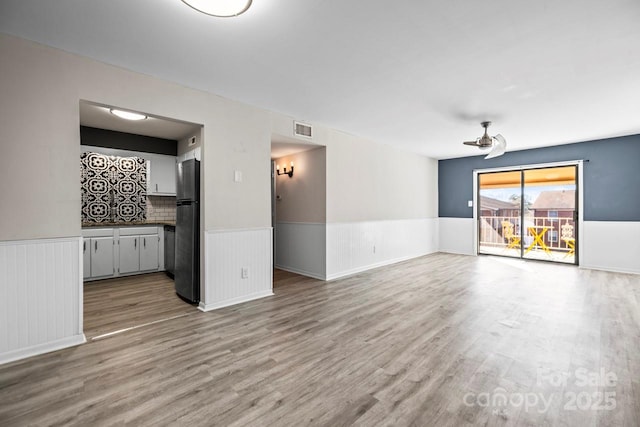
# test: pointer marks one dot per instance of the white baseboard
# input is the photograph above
(234, 301)
(48, 347)
(370, 267)
(301, 272)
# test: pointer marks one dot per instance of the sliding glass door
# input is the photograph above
(530, 213)
(499, 215)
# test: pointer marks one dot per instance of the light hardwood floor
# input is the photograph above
(116, 304)
(423, 342)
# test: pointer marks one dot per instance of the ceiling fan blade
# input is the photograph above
(473, 143)
(499, 147)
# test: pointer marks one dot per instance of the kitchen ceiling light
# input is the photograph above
(127, 115)
(220, 8)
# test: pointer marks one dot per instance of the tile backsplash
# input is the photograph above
(161, 208)
(112, 188)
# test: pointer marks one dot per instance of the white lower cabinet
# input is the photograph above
(129, 255)
(136, 250)
(102, 256)
(86, 258)
(97, 258)
(149, 252)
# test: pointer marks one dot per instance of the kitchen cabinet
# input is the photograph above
(129, 255)
(161, 175)
(161, 168)
(139, 249)
(101, 256)
(86, 258)
(121, 251)
(97, 257)
(149, 252)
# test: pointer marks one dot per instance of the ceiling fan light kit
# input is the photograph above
(497, 143)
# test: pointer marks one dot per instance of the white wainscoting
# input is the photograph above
(227, 252)
(301, 248)
(456, 235)
(40, 296)
(612, 246)
(359, 246)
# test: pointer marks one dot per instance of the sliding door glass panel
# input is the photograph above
(499, 216)
(549, 214)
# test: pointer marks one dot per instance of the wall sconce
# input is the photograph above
(290, 173)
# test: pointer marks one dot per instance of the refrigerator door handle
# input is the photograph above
(135, 243)
(95, 246)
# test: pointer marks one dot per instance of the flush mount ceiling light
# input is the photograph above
(220, 8)
(127, 115)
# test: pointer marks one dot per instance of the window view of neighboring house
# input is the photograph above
(554, 209)
(495, 207)
(493, 212)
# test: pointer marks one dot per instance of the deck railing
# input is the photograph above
(491, 230)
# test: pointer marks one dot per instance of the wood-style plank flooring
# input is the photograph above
(116, 304)
(439, 340)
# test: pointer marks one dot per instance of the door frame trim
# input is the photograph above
(579, 188)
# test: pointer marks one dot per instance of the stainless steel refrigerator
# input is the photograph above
(187, 263)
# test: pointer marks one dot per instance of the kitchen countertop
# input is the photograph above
(125, 224)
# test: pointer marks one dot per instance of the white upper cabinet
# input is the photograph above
(161, 175)
(161, 169)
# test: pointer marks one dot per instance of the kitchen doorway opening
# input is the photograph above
(129, 211)
(529, 213)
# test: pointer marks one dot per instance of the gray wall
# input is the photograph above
(611, 187)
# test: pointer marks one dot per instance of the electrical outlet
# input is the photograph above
(244, 272)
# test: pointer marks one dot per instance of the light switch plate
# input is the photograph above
(470, 203)
(237, 176)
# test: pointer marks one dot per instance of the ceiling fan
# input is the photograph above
(497, 143)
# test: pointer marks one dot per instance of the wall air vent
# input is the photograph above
(303, 130)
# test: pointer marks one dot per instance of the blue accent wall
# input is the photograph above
(611, 187)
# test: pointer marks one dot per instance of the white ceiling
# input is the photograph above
(417, 75)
